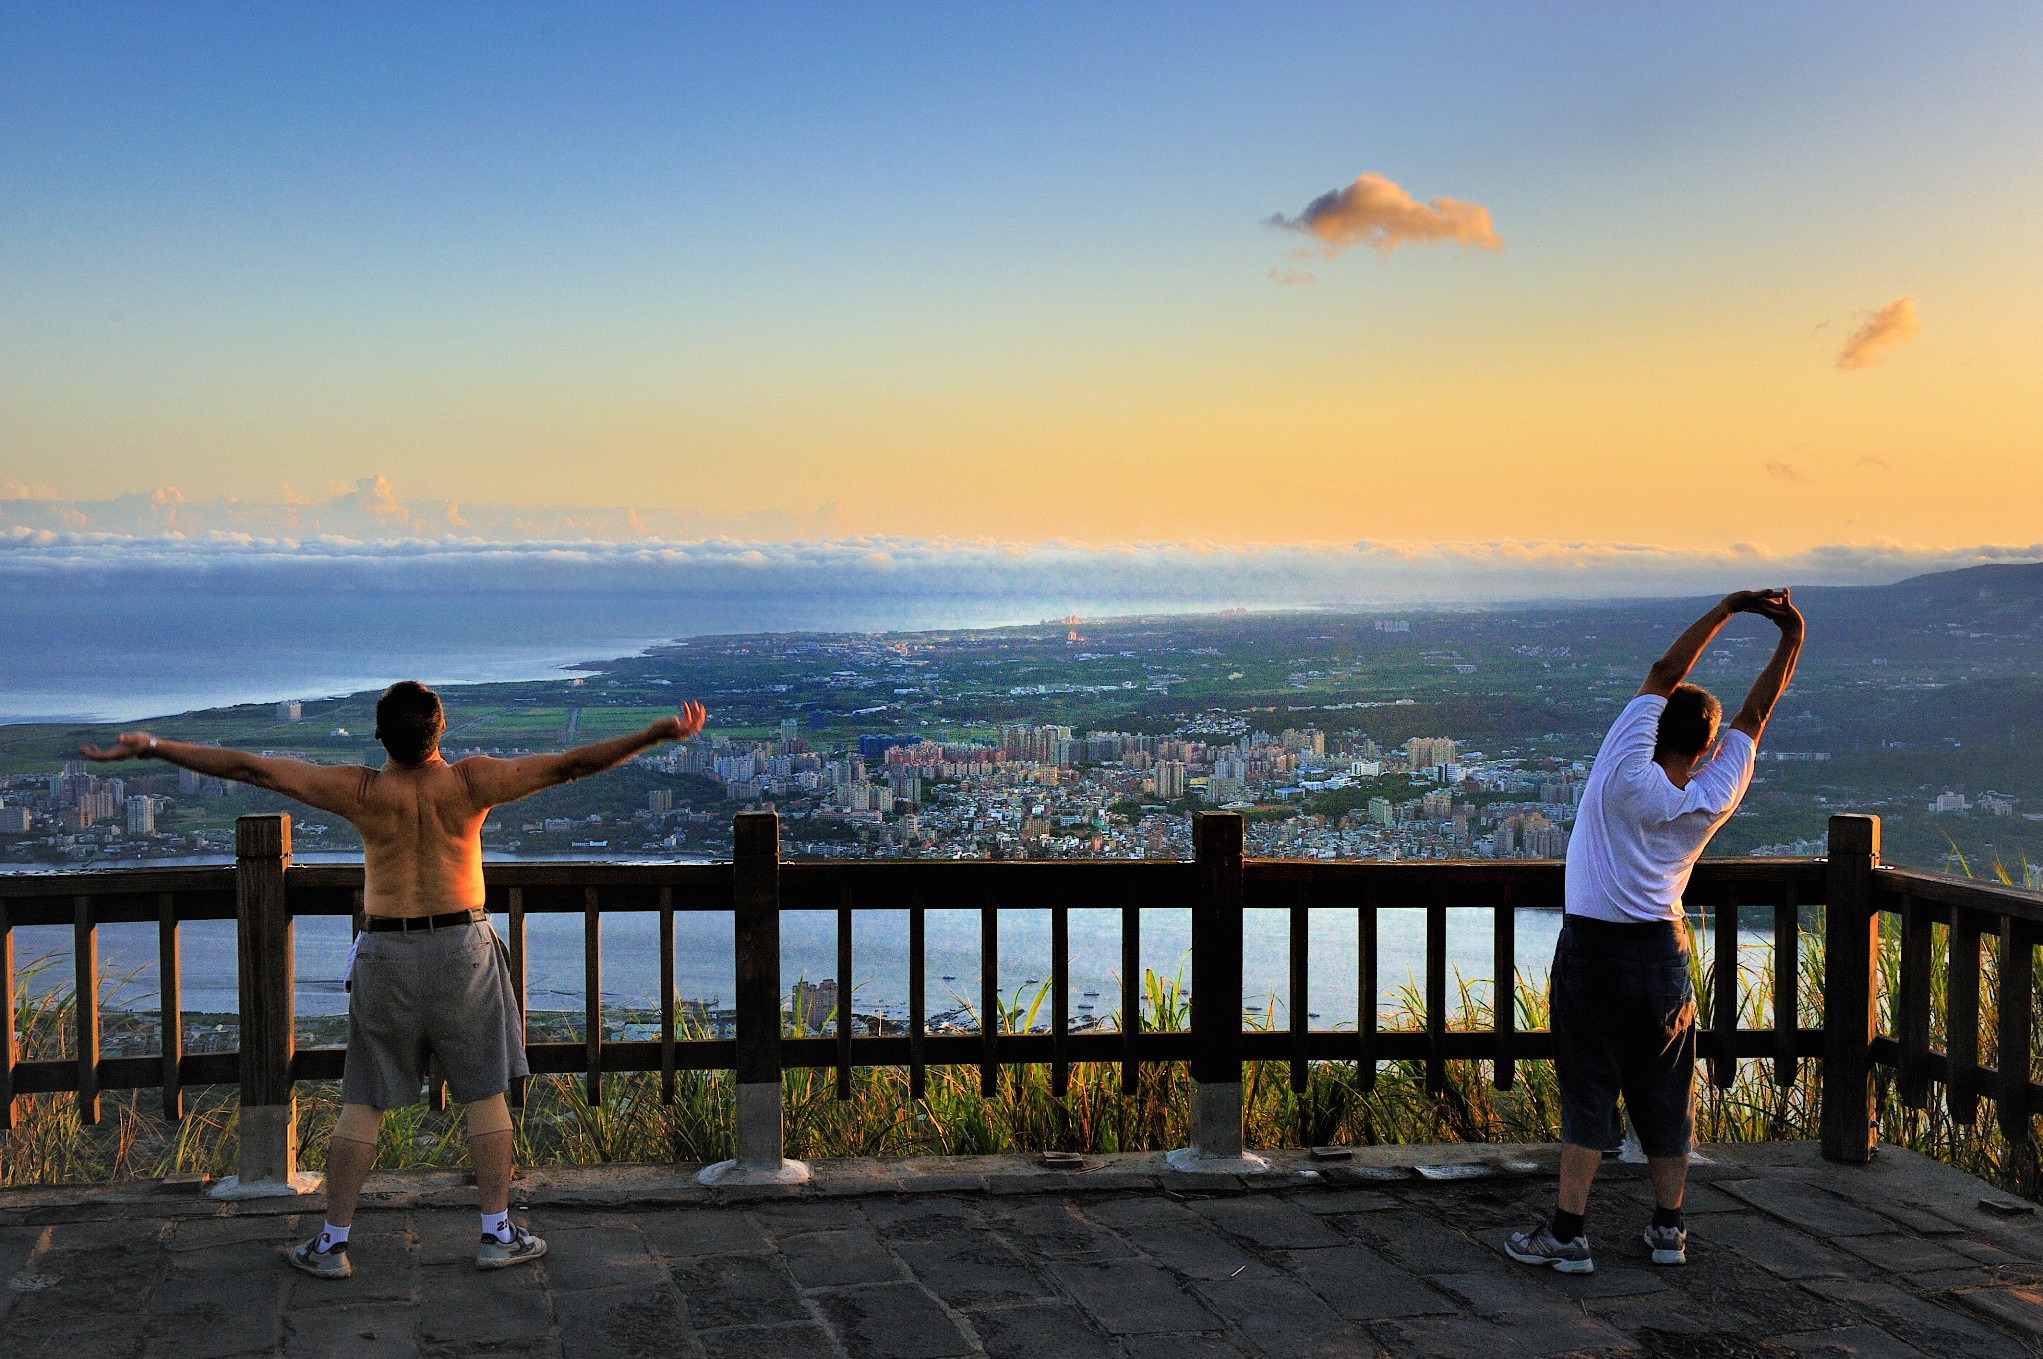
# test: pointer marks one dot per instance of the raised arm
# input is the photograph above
(1773, 681)
(335, 788)
(493, 782)
(1671, 669)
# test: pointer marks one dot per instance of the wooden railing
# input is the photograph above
(264, 894)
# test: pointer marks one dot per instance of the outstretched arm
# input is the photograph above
(492, 782)
(1671, 669)
(1773, 681)
(335, 788)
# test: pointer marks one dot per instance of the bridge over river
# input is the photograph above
(1790, 1254)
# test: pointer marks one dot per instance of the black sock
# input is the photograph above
(1667, 1217)
(1566, 1226)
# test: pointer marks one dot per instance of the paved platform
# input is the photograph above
(918, 1260)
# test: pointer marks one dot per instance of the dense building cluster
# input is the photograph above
(1047, 791)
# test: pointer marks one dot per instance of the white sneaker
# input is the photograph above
(522, 1247)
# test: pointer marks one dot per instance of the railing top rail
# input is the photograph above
(120, 881)
(806, 876)
(1891, 884)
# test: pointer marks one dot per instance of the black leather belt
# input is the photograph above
(405, 924)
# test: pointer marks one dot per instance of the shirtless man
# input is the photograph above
(429, 975)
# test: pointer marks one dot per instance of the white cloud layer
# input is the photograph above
(988, 581)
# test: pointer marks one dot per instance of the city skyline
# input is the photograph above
(1503, 275)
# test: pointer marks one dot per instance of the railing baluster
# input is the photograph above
(1436, 996)
(1724, 1066)
(667, 1000)
(85, 961)
(1365, 991)
(1060, 1001)
(170, 1007)
(991, 1018)
(1912, 1006)
(514, 922)
(8, 1047)
(918, 965)
(1301, 991)
(1504, 990)
(844, 994)
(1961, 1019)
(2017, 979)
(1787, 986)
(1131, 991)
(592, 991)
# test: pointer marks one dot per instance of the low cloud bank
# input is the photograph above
(989, 580)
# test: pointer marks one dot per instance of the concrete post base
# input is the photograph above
(760, 1144)
(1216, 1134)
(268, 1163)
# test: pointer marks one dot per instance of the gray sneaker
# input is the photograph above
(1541, 1247)
(1668, 1244)
(522, 1247)
(322, 1264)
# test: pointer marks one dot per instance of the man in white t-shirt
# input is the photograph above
(1622, 1001)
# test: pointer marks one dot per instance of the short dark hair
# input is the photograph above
(1688, 724)
(409, 721)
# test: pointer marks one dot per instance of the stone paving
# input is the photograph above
(1788, 1256)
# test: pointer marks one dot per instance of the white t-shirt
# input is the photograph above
(1637, 836)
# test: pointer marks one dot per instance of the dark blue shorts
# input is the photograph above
(1623, 1008)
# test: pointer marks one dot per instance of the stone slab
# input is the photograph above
(891, 1321)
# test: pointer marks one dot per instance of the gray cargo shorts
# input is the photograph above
(444, 993)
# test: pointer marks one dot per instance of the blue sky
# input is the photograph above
(1007, 275)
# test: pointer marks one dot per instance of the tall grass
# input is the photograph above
(558, 1124)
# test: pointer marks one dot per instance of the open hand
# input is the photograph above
(131, 745)
(683, 725)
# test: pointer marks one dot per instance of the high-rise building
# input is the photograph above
(1424, 752)
(13, 820)
(1170, 780)
(290, 710)
(660, 801)
(814, 1004)
(141, 816)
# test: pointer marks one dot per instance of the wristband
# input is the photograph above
(150, 753)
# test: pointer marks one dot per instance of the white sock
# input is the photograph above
(497, 1225)
(331, 1236)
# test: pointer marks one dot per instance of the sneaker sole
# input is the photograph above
(1666, 1257)
(509, 1261)
(1563, 1266)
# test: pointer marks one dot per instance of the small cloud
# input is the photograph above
(376, 496)
(1784, 471)
(637, 525)
(14, 490)
(1377, 213)
(292, 497)
(454, 519)
(1890, 327)
(1868, 460)
(1292, 278)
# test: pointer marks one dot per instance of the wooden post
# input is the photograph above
(755, 905)
(268, 1120)
(1216, 999)
(1851, 941)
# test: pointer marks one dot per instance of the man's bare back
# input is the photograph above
(420, 823)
